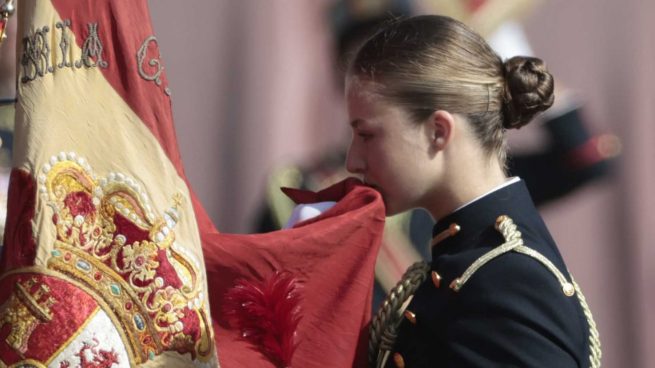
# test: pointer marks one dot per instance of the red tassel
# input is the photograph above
(267, 313)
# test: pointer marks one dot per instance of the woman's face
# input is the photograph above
(388, 150)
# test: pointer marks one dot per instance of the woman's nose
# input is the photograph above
(354, 160)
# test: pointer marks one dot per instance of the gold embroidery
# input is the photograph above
(141, 259)
(28, 306)
(31, 363)
(114, 291)
(84, 286)
(110, 239)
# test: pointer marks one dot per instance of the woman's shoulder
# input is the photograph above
(526, 287)
(525, 275)
(528, 262)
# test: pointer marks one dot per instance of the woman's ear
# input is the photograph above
(440, 128)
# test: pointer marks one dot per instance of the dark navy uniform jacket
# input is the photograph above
(512, 312)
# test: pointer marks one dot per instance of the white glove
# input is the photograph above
(304, 212)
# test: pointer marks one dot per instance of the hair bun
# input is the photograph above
(528, 90)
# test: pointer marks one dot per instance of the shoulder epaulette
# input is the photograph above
(514, 242)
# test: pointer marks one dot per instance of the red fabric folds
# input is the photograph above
(267, 314)
(19, 245)
(333, 257)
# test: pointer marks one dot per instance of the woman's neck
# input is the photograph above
(464, 186)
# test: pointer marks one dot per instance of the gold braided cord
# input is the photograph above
(546, 262)
(384, 327)
(512, 240)
(501, 249)
(595, 351)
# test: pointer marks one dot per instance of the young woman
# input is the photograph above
(429, 103)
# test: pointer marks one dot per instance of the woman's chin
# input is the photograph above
(391, 209)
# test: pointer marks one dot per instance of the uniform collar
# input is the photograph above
(468, 225)
(508, 182)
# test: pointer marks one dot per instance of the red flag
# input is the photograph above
(103, 257)
(333, 256)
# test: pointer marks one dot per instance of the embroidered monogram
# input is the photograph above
(154, 62)
(92, 47)
(64, 42)
(36, 55)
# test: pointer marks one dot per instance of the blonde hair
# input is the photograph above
(428, 63)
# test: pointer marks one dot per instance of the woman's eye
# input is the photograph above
(365, 136)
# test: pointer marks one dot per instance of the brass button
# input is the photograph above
(453, 229)
(436, 279)
(411, 317)
(568, 289)
(500, 219)
(456, 284)
(399, 360)
(450, 231)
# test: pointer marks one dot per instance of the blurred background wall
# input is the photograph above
(253, 88)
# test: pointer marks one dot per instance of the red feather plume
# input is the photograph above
(267, 314)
